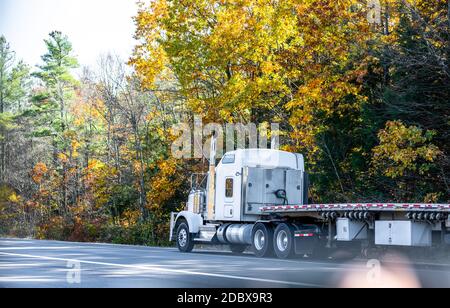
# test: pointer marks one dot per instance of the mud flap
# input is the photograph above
(305, 242)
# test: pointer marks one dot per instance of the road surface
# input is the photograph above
(42, 264)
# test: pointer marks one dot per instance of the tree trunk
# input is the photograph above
(448, 14)
(386, 32)
(64, 150)
(3, 157)
(2, 135)
(448, 38)
(338, 177)
(140, 159)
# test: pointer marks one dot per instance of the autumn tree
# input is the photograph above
(364, 97)
(299, 63)
(406, 155)
(408, 81)
(55, 73)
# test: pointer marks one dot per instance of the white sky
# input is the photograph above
(93, 26)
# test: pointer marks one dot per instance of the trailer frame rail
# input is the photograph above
(268, 209)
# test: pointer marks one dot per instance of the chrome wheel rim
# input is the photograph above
(259, 240)
(182, 238)
(282, 241)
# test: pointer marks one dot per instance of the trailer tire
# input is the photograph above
(283, 241)
(185, 241)
(238, 249)
(262, 240)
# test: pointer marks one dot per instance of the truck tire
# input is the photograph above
(262, 240)
(237, 249)
(185, 242)
(283, 241)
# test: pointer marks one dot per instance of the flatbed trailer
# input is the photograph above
(259, 198)
(343, 207)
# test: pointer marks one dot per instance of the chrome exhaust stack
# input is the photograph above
(212, 179)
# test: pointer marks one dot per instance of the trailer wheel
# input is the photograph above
(185, 242)
(262, 240)
(283, 241)
(237, 249)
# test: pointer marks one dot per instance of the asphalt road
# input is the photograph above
(42, 264)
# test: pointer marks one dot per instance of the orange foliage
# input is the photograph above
(38, 172)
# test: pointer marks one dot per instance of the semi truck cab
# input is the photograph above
(249, 179)
(259, 198)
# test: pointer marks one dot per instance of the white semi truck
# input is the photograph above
(259, 198)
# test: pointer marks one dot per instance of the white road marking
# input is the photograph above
(211, 253)
(25, 279)
(357, 263)
(161, 269)
(39, 248)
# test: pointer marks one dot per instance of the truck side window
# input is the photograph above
(228, 159)
(229, 188)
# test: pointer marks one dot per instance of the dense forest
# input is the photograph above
(361, 89)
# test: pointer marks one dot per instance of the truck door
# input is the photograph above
(229, 197)
(228, 193)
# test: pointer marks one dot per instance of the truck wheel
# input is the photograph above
(262, 240)
(237, 249)
(185, 242)
(283, 241)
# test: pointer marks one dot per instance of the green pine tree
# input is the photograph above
(14, 81)
(52, 103)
